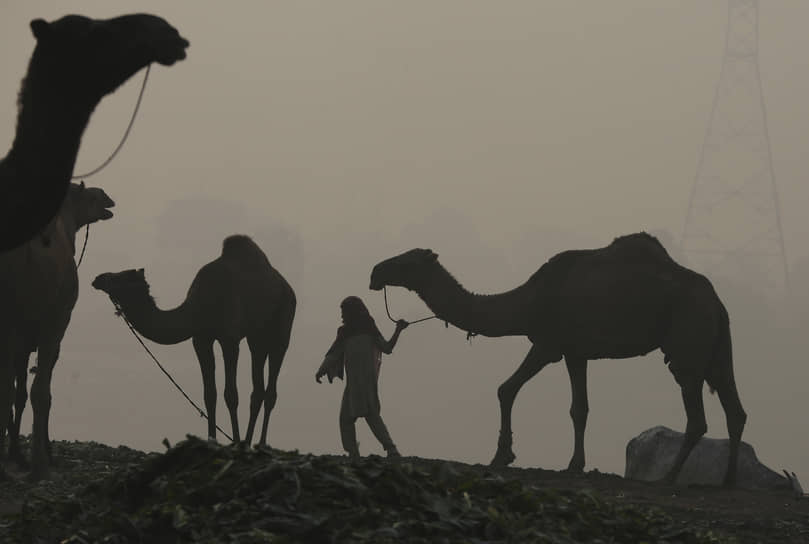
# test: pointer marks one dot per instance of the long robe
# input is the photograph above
(358, 358)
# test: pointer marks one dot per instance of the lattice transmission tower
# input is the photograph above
(733, 224)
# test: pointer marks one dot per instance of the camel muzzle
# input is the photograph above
(100, 282)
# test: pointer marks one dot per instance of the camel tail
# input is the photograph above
(284, 318)
(722, 368)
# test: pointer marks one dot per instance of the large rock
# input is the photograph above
(650, 455)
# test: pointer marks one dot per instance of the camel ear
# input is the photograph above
(431, 255)
(41, 29)
(81, 184)
(141, 272)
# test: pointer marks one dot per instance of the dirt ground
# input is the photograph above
(748, 516)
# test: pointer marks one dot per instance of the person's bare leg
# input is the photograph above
(381, 433)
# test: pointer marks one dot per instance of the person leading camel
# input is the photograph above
(357, 352)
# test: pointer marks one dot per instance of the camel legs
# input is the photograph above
(577, 370)
(21, 397)
(230, 352)
(506, 393)
(695, 427)
(271, 393)
(276, 357)
(47, 354)
(6, 382)
(258, 354)
(735, 417)
(203, 346)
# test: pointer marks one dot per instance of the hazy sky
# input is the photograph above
(496, 133)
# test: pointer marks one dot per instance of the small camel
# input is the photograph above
(237, 295)
(76, 62)
(619, 301)
(38, 290)
(82, 206)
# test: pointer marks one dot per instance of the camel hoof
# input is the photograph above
(503, 459)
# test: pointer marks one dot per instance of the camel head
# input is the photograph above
(89, 204)
(123, 285)
(409, 270)
(101, 54)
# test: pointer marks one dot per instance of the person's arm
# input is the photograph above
(386, 346)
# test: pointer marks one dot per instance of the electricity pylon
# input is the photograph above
(733, 224)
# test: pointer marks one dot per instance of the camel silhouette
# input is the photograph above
(76, 62)
(619, 301)
(237, 295)
(38, 290)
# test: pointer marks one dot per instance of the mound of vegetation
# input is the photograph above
(203, 492)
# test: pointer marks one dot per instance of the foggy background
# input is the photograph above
(497, 134)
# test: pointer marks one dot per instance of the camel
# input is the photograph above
(76, 62)
(39, 288)
(619, 301)
(237, 295)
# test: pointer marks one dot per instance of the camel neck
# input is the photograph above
(51, 120)
(161, 326)
(490, 315)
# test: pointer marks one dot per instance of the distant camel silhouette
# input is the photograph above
(237, 295)
(76, 62)
(619, 301)
(38, 290)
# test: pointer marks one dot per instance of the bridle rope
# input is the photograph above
(115, 152)
(126, 133)
(84, 247)
(387, 310)
(120, 312)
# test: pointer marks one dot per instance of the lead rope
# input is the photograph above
(126, 133)
(115, 152)
(385, 293)
(86, 236)
(469, 334)
(120, 312)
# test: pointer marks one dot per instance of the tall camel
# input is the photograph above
(619, 301)
(237, 295)
(76, 62)
(82, 206)
(38, 289)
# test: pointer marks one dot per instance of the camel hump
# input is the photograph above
(639, 241)
(241, 247)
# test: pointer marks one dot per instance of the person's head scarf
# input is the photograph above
(356, 319)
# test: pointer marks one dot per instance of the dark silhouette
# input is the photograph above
(76, 62)
(238, 295)
(620, 301)
(39, 287)
(356, 352)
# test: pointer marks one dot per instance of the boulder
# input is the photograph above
(650, 455)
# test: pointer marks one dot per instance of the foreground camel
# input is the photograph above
(76, 62)
(238, 295)
(620, 301)
(38, 290)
